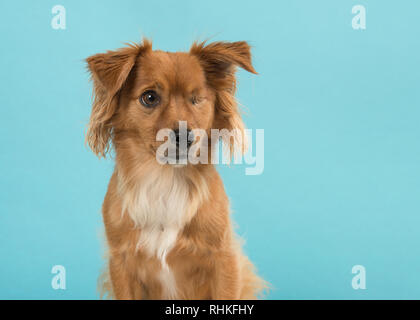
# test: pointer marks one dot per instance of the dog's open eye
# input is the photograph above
(150, 99)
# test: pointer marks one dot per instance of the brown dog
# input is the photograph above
(168, 227)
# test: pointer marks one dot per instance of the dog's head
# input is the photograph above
(139, 91)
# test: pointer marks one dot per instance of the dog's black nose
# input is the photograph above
(181, 135)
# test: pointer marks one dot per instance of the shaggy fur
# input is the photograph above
(168, 228)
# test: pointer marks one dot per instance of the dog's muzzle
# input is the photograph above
(183, 138)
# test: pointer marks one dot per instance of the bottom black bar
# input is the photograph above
(217, 310)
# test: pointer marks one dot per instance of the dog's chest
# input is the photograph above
(158, 207)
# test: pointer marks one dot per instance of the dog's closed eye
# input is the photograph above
(196, 100)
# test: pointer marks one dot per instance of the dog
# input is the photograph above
(167, 226)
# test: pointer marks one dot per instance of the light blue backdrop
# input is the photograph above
(340, 109)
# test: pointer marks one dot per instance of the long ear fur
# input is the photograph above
(219, 61)
(109, 72)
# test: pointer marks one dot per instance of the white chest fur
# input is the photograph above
(160, 202)
(158, 205)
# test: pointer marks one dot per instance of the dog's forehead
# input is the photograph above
(174, 69)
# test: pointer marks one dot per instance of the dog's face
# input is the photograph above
(139, 92)
(167, 88)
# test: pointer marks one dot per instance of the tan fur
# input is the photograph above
(168, 228)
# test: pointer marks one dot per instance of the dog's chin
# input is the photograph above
(179, 161)
(178, 165)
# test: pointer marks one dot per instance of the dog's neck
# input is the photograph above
(161, 200)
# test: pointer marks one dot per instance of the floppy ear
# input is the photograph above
(109, 72)
(219, 61)
(220, 58)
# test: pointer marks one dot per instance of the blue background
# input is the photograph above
(340, 109)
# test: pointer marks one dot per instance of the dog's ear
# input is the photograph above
(109, 72)
(220, 58)
(219, 61)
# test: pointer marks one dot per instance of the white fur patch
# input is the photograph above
(160, 204)
(168, 282)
